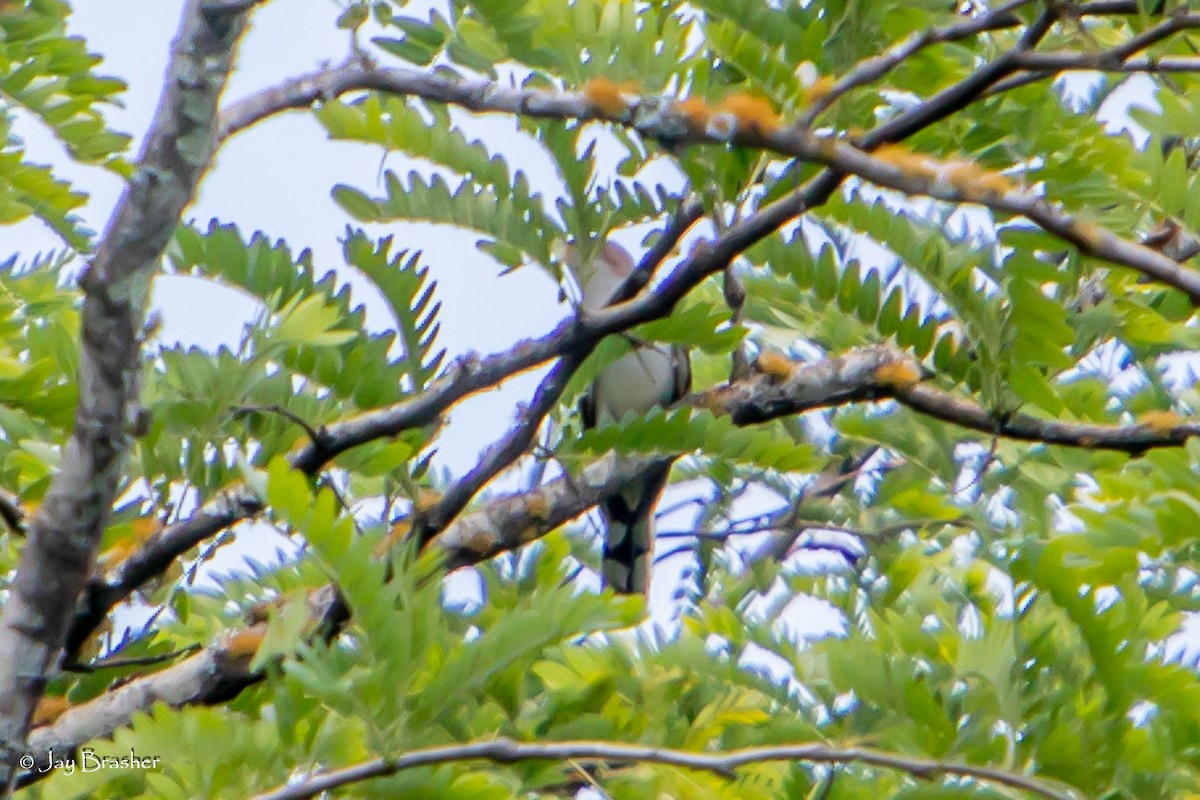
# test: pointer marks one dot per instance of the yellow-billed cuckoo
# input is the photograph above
(653, 375)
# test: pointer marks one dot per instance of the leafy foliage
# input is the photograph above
(51, 77)
(868, 575)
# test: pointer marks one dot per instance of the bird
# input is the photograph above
(651, 376)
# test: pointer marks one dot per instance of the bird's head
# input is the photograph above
(600, 274)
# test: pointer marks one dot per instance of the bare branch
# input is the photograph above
(1089, 238)
(1174, 23)
(212, 675)
(852, 377)
(1048, 65)
(153, 558)
(1132, 439)
(472, 375)
(503, 453)
(1098, 8)
(726, 764)
(216, 674)
(510, 522)
(1120, 58)
(875, 68)
(66, 529)
(689, 213)
(353, 75)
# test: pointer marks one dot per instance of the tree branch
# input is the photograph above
(1048, 65)
(1089, 238)
(472, 375)
(1098, 8)
(353, 75)
(726, 764)
(499, 456)
(1120, 57)
(151, 559)
(216, 674)
(1133, 439)
(876, 67)
(852, 377)
(66, 530)
(212, 675)
(466, 378)
(510, 522)
(948, 182)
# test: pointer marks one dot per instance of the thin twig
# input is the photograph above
(143, 661)
(315, 435)
(725, 764)
(876, 67)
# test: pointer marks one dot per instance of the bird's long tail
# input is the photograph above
(629, 531)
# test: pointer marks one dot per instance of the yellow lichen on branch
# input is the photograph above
(898, 374)
(1090, 234)
(775, 364)
(960, 174)
(967, 176)
(610, 98)
(537, 506)
(749, 113)
(48, 709)
(696, 110)
(819, 89)
(1160, 421)
(907, 161)
(243, 644)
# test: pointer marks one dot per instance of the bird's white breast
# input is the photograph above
(637, 382)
